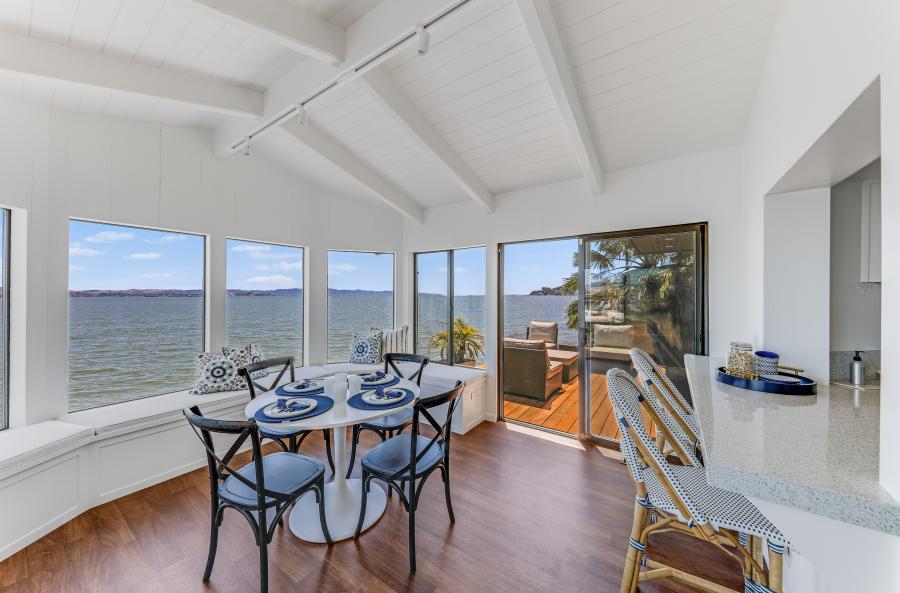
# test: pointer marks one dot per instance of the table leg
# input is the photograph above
(342, 502)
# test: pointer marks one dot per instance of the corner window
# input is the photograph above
(360, 297)
(264, 298)
(136, 312)
(450, 306)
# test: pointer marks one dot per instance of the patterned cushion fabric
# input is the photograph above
(217, 372)
(394, 340)
(366, 349)
(251, 353)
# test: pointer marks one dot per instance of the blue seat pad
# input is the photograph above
(282, 472)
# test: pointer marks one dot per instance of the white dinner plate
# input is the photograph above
(371, 398)
(388, 378)
(272, 410)
(294, 387)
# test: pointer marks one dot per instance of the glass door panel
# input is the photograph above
(646, 290)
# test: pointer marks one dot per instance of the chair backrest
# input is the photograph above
(392, 358)
(637, 445)
(219, 468)
(285, 364)
(673, 401)
(442, 430)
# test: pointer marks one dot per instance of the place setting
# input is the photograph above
(381, 397)
(296, 401)
(378, 379)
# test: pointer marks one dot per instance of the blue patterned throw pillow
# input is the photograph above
(218, 372)
(366, 349)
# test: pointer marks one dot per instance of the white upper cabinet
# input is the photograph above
(870, 246)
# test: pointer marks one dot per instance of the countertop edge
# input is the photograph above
(861, 511)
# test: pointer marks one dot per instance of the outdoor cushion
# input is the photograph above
(548, 331)
(613, 336)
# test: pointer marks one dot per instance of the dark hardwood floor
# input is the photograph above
(532, 515)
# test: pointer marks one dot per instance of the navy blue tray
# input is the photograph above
(323, 404)
(806, 386)
(357, 402)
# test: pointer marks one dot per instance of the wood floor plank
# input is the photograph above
(533, 516)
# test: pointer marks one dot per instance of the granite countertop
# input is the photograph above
(816, 453)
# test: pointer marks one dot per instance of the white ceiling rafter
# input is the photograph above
(402, 110)
(332, 151)
(542, 29)
(281, 23)
(33, 57)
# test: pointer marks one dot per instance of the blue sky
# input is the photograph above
(111, 257)
(530, 266)
(348, 270)
(469, 272)
(263, 266)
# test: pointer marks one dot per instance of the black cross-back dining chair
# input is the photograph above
(289, 439)
(408, 458)
(392, 424)
(273, 481)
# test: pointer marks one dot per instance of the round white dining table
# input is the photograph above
(343, 497)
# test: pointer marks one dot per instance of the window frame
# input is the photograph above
(304, 283)
(205, 315)
(7, 244)
(451, 296)
(394, 290)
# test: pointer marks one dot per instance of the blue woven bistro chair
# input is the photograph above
(678, 497)
(657, 382)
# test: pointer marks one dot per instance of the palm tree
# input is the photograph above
(468, 341)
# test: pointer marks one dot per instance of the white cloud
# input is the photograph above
(79, 249)
(268, 255)
(165, 239)
(109, 237)
(156, 275)
(73, 268)
(286, 265)
(337, 269)
(145, 256)
(250, 248)
(270, 280)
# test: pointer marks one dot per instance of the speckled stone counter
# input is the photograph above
(816, 453)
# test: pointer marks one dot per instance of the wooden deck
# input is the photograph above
(560, 412)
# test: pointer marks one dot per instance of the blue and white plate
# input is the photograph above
(384, 398)
(293, 407)
(375, 379)
(301, 387)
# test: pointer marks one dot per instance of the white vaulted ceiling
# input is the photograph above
(483, 112)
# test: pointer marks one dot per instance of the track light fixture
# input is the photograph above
(424, 39)
(247, 149)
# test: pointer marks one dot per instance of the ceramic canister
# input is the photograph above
(765, 362)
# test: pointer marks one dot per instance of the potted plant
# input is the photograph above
(468, 342)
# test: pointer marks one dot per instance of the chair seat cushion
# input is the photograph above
(392, 421)
(393, 455)
(279, 432)
(282, 472)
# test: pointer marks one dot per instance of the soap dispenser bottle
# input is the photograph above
(857, 370)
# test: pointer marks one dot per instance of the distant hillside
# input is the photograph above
(171, 292)
(548, 291)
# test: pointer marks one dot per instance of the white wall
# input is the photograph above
(855, 306)
(57, 165)
(823, 55)
(698, 188)
(797, 255)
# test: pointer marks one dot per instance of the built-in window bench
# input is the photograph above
(52, 471)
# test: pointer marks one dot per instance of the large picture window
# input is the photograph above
(450, 306)
(4, 318)
(360, 297)
(136, 312)
(264, 302)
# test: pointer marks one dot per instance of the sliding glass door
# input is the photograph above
(643, 289)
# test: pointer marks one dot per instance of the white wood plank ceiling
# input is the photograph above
(483, 112)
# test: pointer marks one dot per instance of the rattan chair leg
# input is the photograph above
(632, 559)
